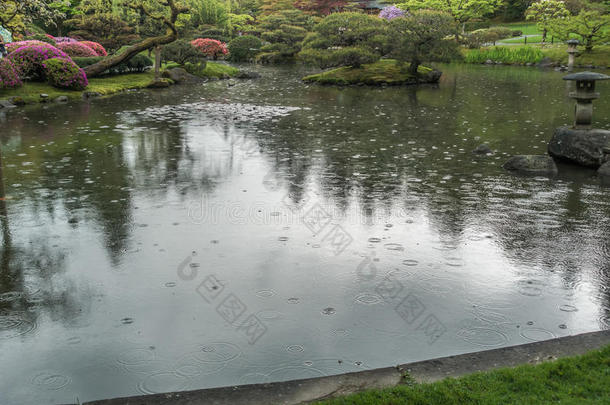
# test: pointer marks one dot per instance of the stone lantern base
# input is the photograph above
(586, 147)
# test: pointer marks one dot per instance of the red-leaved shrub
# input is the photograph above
(77, 49)
(211, 48)
(97, 47)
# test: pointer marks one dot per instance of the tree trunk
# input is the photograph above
(413, 67)
(157, 63)
(107, 63)
(169, 37)
(544, 35)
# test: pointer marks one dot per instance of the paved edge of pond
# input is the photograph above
(312, 389)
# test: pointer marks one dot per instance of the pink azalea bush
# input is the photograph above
(28, 59)
(97, 47)
(8, 75)
(211, 48)
(65, 74)
(391, 12)
(76, 49)
(10, 47)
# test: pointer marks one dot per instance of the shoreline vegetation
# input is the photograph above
(30, 92)
(383, 72)
(569, 380)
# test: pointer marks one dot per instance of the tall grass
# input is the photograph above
(504, 54)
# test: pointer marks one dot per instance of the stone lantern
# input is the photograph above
(572, 44)
(584, 96)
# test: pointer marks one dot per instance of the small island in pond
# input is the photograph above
(383, 72)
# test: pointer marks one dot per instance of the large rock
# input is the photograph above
(179, 75)
(531, 164)
(6, 104)
(247, 75)
(586, 147)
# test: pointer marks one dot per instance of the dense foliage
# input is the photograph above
(420, 37)
(64, 74)
(181, 52)
(244, 48)
(284, 32)
(346, 39)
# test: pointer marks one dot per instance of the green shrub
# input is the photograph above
(41, 38)
(502, 32)
(516, 33)
(478, 38)
(505, 54)
(244, 48)
(64, 74)
(181, 52)
(84, 62)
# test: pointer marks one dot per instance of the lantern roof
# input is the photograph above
(586, 76)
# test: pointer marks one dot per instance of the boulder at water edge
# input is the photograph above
(532, 165)
(585, 147)
(179, 75)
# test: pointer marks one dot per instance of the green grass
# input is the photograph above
(385, 71)
(573, 380)
(599, 56)
(530, 40)
(105, 85)
(528, 28)
(504, 54)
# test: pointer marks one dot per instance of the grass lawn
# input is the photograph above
(30, 91)
(571, 380)
(535, 39)
(386, 71)
(527, 28)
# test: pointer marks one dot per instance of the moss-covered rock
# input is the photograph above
(384, 72)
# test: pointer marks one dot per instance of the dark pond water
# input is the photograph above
(223, 234)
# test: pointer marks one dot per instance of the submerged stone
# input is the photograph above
(531, 164)
(482, 149)
(585, 147)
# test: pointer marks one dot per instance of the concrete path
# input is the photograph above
(304, 391)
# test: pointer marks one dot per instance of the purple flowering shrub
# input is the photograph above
(391, 12)
(77, 49)
(10, 47)
(63, 40)
(28, 59)
(65, 74)
(8, 75)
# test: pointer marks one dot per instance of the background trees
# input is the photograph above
(284, 31)
(346, 39)
(462, 11)
(544, 12)
(419, 37)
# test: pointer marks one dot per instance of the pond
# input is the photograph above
(255, 231)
